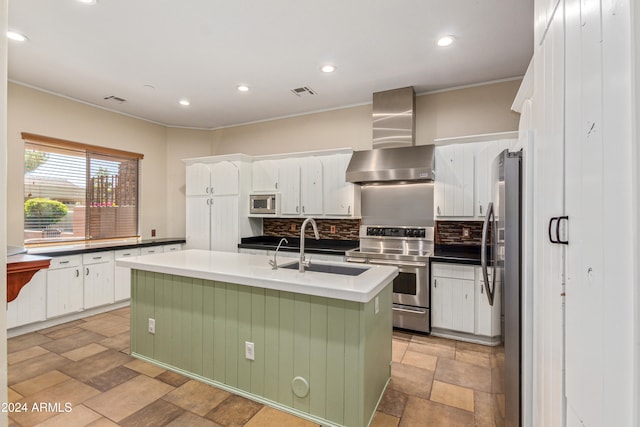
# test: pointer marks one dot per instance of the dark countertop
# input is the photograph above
(311, 245)
(459, 254)
(83, 248)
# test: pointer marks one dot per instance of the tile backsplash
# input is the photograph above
(336, 229)
(458, 233)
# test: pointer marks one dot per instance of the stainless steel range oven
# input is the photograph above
(407, 248)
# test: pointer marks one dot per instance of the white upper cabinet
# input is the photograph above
(225, 179)
(198, 180)
(454, 184)
(485, 155)
(311, 184)
(289, 182)
(218, 217)
(265, 175)
(341, 197)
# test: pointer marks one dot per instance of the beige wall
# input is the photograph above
(41, 113)
(181, 144)
(462, 112)
(468, 111)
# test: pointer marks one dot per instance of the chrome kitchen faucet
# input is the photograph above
(302, 263)
(274, 262)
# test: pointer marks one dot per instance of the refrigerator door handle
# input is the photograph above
(483, 253)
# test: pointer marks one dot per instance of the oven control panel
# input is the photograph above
(397, 232)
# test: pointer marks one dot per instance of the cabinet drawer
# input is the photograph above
(65, 261)
(97, 257)
(454, 271)
(125, 253)
(151, 250)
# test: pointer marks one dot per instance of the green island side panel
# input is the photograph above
(342, 349)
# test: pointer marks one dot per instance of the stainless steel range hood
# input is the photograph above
(394, 157)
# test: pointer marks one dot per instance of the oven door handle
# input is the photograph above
(412, 311)
(398, 264)
(358, 260)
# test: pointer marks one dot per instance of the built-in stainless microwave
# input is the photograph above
(263, 204)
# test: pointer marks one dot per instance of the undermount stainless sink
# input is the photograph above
(328, 268)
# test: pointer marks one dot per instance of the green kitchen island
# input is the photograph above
(321, 342)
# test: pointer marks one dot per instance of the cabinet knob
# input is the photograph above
(439, 211)
(435, 283)
(480, 209)
(77, 273)
(87, 272)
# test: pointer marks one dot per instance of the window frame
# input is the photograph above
(88, 150)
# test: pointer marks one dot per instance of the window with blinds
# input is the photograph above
(78, 192)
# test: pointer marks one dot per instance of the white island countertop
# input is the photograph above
(254, 270)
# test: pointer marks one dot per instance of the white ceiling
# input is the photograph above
(202, 49)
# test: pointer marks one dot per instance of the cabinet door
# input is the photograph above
(197, 222)
(122, 275)
(98, 284)
(339, 194)
(30, 305)
(485, 156)
(454, 185)
(289, 181)
(198, 180)
(265, 175)
(224, 224)
(224, 178)
(311, 186)
(442, 303)
(65, 291)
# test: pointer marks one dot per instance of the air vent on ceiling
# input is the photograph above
(303, 91)
(115, 99)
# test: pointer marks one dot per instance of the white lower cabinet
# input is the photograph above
(74, 283)
(30, 304)
(452, 297)
(65, 293)
(98, 278)
(459, 303)
(122, 275)
(487, 321)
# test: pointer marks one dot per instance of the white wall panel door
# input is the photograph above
(548, 202)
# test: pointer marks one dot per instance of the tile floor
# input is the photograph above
(435, 382)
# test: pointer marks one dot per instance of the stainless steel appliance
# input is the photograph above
(264, 204)
(502, 229)
(408, 248)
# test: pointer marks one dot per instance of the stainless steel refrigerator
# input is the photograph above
(502, 255)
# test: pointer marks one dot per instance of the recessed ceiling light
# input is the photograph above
(15, 36)
(328, 68)
(88, 1)
(445, 41)
(242, 88)
(185, 102)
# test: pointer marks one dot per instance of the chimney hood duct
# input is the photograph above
(394, 157)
